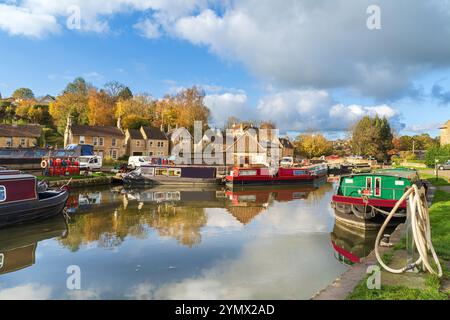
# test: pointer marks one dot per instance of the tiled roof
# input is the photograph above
(135, 134)
(25, 130)
(154, 133)
(83, 130)
(286, 143)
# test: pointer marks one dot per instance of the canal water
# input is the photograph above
(181, 243)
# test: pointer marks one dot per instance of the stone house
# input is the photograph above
(19, 136)
(108, 141)
(147, 141)
(445, 133)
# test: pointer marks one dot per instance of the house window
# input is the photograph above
(150, 143)
(82, 140)
(138, 143)
(247, 173)
(9, 142)
(100, 141)
(113, 142)
(150, 153)
(95, 141)
(22, 142)
(160, 144)
(2, 193)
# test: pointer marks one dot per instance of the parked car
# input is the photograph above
(444, 166)
(91, 163)
(137, 161)
(287, 162)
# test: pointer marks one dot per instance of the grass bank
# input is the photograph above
(440, 228)
(76, 177)
(440, 182)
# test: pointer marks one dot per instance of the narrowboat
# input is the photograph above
(371, 194)
(22, 199)
(173, 175)
(268, 176)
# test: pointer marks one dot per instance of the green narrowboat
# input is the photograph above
(369, 194)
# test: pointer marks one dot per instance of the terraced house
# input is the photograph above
(445, 133)
(108, 141)
(19, 136)
(147, 141)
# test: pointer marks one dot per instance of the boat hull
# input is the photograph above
(28, 211)
(263, 181)
(145, 181)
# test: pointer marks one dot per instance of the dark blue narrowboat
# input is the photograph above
(161, 174)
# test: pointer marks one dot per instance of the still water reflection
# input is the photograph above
(178, 244)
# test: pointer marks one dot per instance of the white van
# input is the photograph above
(92, 163)
(137, 161)
(287, 162)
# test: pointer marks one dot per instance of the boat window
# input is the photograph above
(174, 172)
(300, 172)
(247, 173)
(378, 186)
(2, 193)
(368, 183)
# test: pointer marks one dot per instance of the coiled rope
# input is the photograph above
(421, 230)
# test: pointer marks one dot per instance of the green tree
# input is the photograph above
(439, 153)
(79, 86)
(23, 93)
(372, 137)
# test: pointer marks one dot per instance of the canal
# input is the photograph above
(182, 243)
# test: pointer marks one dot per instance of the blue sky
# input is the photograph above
(305, 65)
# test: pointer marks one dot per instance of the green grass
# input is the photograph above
(432, 179)
(398, 292)
(77, 177)
(440, 231)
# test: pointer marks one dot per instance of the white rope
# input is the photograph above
(421, 230)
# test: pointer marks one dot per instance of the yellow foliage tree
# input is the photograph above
(69, 103)
(100, 108)
(313, 145)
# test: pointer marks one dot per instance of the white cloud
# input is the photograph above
(326, 44)
(26, 292)
(148, 29)
(227, 104)
(312, 110)
(23, 22)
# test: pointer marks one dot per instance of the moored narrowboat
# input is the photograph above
(22, 199)
(157, 174)
(370, 194)
(269, 176)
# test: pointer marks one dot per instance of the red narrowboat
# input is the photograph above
(269, 176)
(23, 200)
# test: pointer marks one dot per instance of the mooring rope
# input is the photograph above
(420, 224)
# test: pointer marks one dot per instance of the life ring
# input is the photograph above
(44, 164)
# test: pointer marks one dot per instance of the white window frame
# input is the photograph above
(101, 141)
(3, 189)
(82, 139)
(2, 259)
(23, 142)
(95, 141)
(9, 142)
(377, 191)
(113, 154)
(113, 142)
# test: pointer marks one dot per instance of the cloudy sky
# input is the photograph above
(307, 65)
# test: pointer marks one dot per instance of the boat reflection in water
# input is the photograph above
(351, 245)
(18, 244)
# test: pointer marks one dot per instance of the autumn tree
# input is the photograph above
(74, 104)
(372, 137)
(139, 107)
(79, 86)
(312, 145)
(23, 94)
(100, 108)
